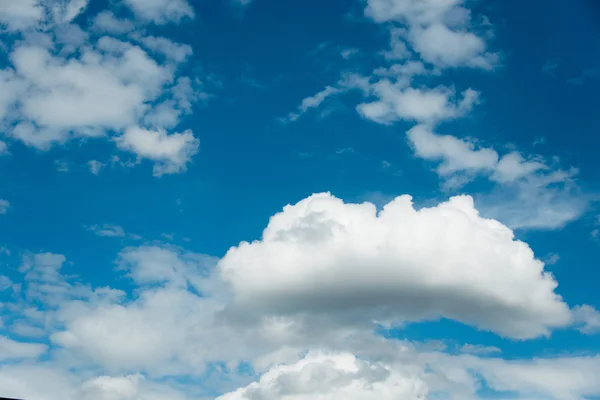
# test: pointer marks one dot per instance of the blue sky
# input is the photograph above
(208, 199)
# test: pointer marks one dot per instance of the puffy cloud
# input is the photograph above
(349, 261)
(442, 46)
(106, 21)
(455, 155)
(11, 350)
(395, 103)
(18, 15)
(437, 30)
(51, 93)
(106, 89)
(161, 11)
(332, 376)
(157, 265)
(588, 317)
(170, 152)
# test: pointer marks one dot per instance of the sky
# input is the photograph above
(262, 199)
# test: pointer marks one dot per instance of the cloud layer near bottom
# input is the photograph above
(296, 312)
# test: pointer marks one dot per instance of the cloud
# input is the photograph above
(311, 102)
(11, 350)
(107, 22)
(170, 152)
(107, 89)
(323, 256)
(438, 31)
(107, 230)
(418, 105)
(4, 206)
(161, 11)
(530, 194)
(455, 155)
(479, 349)
(176, 308)
(71, 84)
(95, 166)
(332, 376)
(174, 52)
(408, 374)
(20, 15)
(588, 317)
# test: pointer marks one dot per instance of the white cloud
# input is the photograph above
(332, 376)
(442, 46)
(161, 11)
(311, 102)
(106, 21)
(324, 256)
(170, 152)
(421, 105)
(455, 155)
(95, 166)
(103, 90)
(11, 350)
(174, 52)
(479, 349)
(437, 30)
(530, 195)
(19, 15)
(4, 206)
(538, 201)
(107, 230)
(588, 317)
(567, 378)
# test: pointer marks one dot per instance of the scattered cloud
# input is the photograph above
(349, 53)
(552, 259)
(107, 230)
(161, 11)
(411, 104)
(4, 206)
(21, 15)
(107, 22)
(438, 31)
(95, 166)
(531, 194)
(61, 165)
(310, 103)
(588, 317)
(170, 152)
(479, 349)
